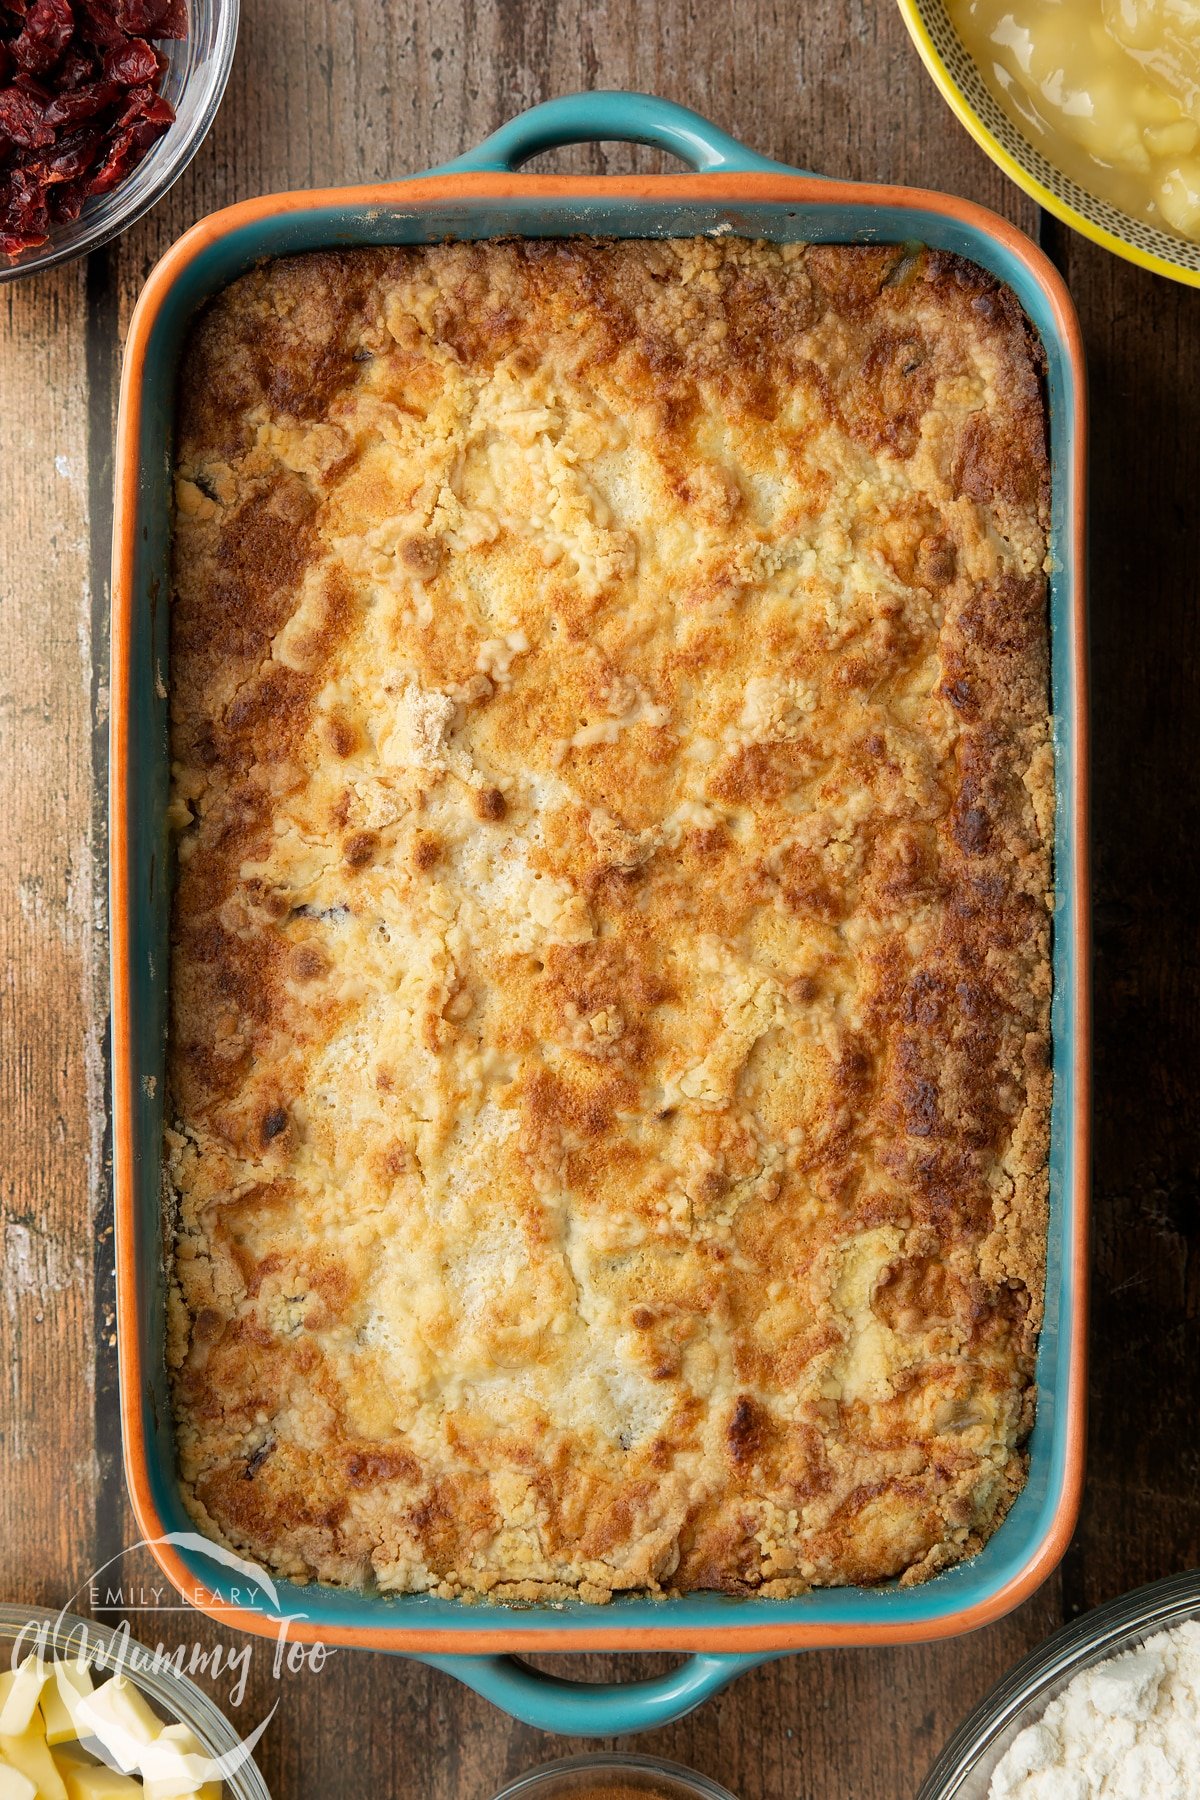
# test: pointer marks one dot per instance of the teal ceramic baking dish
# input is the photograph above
(729, 189)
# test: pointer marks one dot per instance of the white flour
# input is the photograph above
(1129, 1729)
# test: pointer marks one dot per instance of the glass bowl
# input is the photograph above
(579, 1775)
(174, 1696)
(197, 70)
(965, 1768)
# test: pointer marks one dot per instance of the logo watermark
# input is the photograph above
(106, 1652)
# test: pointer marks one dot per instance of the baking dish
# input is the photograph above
(731, 189)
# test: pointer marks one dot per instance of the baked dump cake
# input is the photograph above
(613, 784)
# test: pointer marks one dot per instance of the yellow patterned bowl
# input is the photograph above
(950, 64)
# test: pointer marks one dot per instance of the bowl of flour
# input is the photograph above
(1106, 1709)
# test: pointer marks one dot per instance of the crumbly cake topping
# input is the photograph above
(609, 1061)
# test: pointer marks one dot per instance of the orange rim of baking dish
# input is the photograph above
(564, 1634)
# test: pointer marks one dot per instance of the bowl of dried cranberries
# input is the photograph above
(102, 104)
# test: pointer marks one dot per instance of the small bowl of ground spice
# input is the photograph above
(103, 103)
(1109, 1706)
(613, 1777)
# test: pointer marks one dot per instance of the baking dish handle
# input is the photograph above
(586, 1709)
(611, 116)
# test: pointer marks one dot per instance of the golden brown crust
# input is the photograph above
(609, 1067)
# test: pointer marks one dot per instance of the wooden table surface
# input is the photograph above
(329, 91)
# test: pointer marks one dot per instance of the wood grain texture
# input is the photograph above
(325, 93)
(50, 957)
(1143, 1513)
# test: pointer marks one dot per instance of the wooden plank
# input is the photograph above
(1142, 1519)
(51, 965)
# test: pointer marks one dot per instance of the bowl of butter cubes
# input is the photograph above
(87, 1713)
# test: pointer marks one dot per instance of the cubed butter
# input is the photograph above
(181, 1738)
(29, 1753)
(72, 1682)
(212, 1790)
(175, 1765)
(121, 1717)
(68, 1682)
(57, 1723)
(85, 1780)
(14, 1785)
(21, 1689)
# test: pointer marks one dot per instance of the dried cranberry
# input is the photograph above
(158, 114)
(145, 103)
(98, 23)
(83, 103)
(23, 121)
(72, 156)
(119, 159)
(152, 18)
(77, 69)
(66, 202)
(143, 122)
(23, 212)
(21, 191)
(174, 22)
(133, 63)
(48, 29)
